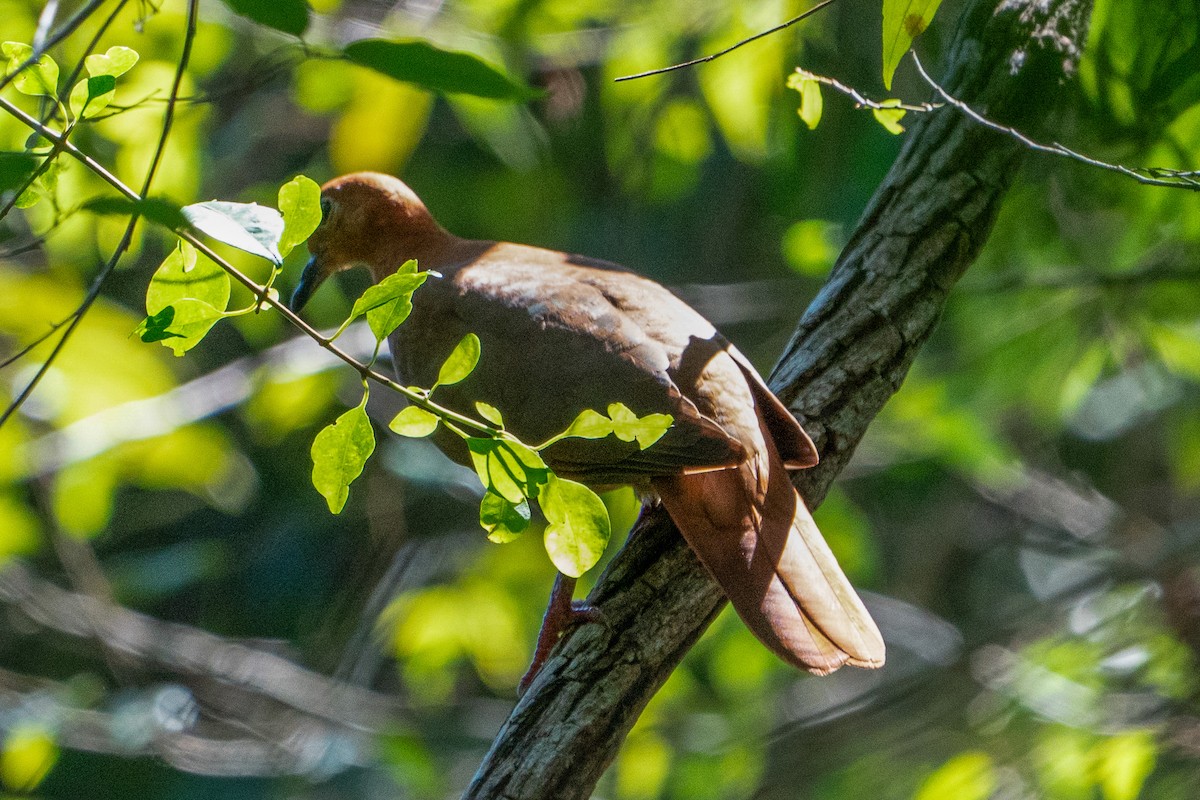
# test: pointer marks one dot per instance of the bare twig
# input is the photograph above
(1150, 176)
(729, 49)
(862, 101)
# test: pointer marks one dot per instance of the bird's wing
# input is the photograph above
(558, 338)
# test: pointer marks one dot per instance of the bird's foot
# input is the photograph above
(562, 615)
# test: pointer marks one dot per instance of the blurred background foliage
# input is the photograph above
(1025, 513)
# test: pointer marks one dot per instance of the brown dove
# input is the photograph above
(562, 333)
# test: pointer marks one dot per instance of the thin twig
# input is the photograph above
(729, 49)
(862, 101)
(1145, 175)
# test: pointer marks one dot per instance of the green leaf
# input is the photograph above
(339, 453)
(300, 204)
(890, 116)
(246, 226)
(16, 169)
(490, 413)
(192, 321)
(389, 302)
(39, 78)
(507, 468)
(182, 275)
(437, 70)
(115, 61)
(578, 527)
(289, 16)
(903, 21)
(155, 209)
(811, 103)
(91, 96)
(629, 426)
(414, 422)
(503, 521)
(460, 363)
(589, 424)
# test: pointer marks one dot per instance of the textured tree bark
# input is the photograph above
(850, 353)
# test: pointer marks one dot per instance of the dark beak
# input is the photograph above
(310, 279)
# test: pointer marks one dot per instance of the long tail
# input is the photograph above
(757, 538)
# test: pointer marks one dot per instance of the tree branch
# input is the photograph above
(850, 353)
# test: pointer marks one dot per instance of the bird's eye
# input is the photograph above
(326, 208)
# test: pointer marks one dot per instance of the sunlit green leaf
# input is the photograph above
(577, 529)
(300, 204)
(889, 117)
(414, 422)
(461, 361)
(503, 520)
(183, 274)
(39, 78)
(29, 753)
(388, 303)
(628, 426)
(91, 96)
(417, 61)
(490, 413)
(246, 226)
(114, 61)
(811, 102)
(289, 16)
(191, 322)
(507, 468)
(590, 424)
(339, 453)
(903, 21)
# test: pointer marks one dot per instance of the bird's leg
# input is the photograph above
(561, 613)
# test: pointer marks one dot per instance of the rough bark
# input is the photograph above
(850, 353)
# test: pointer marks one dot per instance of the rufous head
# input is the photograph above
(367, 219)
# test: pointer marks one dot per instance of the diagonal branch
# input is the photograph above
(850, 353)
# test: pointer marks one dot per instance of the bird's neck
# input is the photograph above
(438, 250)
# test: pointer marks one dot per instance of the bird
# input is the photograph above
(560, 333)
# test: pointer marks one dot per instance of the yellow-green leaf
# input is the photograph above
(114, 61)
(414, 422)
(461, 361)
(589, 424)
(507, 468)
(903, 21)
(490, 413)
(39, 78)
(629, 426)
(1123, 762)
(339, 453)
(389, 302)
(300, 204)
(504, 521)
(578, 526)
(811, 102)
(889, 116)
(183, 275)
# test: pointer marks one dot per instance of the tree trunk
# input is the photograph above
(850, 353)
